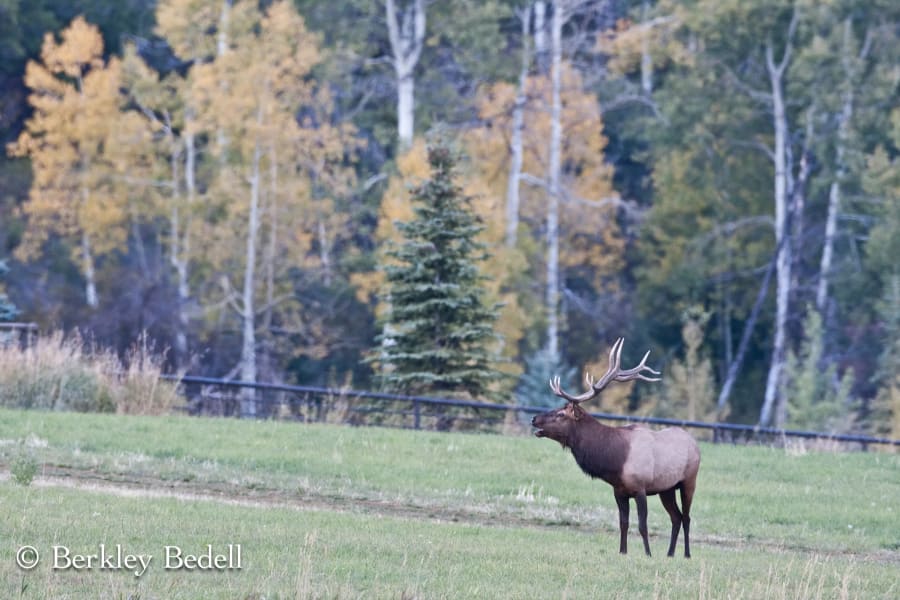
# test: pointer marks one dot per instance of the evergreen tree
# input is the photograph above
(817, 397)
(438, 333)
(539, 368)
(689, 389)
(8, 310)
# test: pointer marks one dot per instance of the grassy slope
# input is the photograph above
(762, 517)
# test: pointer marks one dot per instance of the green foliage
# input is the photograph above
(689, 391)
(438, 334)
(24, 465)
(882, 181)
(24, 23)
(817, 398)
(8, 310)
(885, 407)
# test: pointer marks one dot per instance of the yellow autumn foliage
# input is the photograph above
(72, 139)
(590, 235)
(278, 184)
(628, 43)
(186, 24)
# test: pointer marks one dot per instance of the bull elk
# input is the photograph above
(636, 461)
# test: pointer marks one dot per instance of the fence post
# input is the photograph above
(417, 416)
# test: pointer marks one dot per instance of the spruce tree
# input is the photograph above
(438, 333)
(8, 310)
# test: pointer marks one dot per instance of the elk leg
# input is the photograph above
(687, 496)
(641, 500)
(622, 501)
(668, 500)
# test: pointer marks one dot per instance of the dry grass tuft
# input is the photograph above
(60, 372)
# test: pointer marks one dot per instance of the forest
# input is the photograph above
(256, 186)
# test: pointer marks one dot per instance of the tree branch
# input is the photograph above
(273, 303)
(779, 69)
(759, 96)
(231, 297)
(568, 196)
(755, 145)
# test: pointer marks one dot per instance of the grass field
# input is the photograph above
(328, 511)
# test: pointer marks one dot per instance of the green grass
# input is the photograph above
(293, 553)
(418, 514)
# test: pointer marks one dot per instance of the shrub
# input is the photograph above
(58, 373)
(23, 467)
(140, 391)
(689, 388)
(817, 398)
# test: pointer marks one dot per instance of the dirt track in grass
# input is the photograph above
(139, 486)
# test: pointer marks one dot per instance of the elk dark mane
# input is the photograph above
(637, 462)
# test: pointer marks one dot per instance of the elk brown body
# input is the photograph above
(636, 461)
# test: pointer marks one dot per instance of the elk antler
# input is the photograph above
(614, 373)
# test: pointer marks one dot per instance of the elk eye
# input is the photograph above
(561, 413)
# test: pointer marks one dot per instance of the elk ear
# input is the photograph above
(575, 411)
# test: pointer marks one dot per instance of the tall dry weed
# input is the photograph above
(59, 372)
(140, 391)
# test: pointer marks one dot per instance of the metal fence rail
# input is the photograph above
(20, 335)
(211, 396)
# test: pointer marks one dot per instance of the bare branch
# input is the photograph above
(630, 98)
(755, 145)
(274, 302)
(230, 296)
(779, 69)
(759, 96)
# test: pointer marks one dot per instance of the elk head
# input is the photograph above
(559, 424)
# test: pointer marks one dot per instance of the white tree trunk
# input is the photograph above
(248, 315)
(646, 58)
(834, 206)
(222, 33)
(324, 250)
(406, 108)
(181, 341)
(178, 259)
(179, 251)
(221, 50)
(87, 257)
(516, 151)
(834, 192)
(540, 34)
(552, 298)
(406, 32)
(783, 247)
(87, 261)
(265, 361)
(183, 272)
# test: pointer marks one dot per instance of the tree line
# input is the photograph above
(717, 181)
